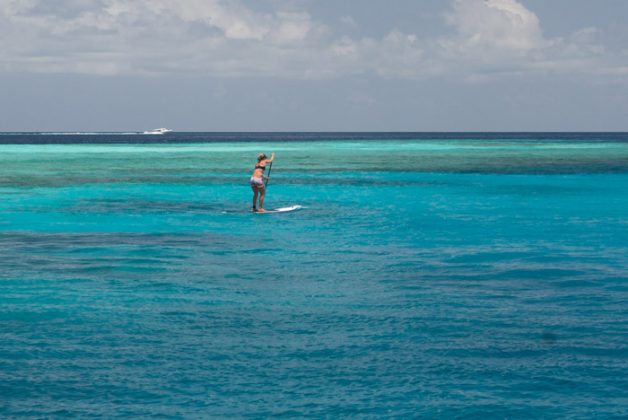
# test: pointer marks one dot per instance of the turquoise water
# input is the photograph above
(434, 278)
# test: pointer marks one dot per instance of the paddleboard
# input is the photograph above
(280, 210)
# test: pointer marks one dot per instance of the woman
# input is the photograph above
(257, 181)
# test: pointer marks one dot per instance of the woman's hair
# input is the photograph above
(261, 156)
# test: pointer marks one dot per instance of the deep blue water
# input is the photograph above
(200, 137)
(428, 275)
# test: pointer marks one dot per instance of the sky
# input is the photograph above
(314, 65)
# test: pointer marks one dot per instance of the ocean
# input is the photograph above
(431, 275)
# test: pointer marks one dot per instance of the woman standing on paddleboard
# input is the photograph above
(257, 181)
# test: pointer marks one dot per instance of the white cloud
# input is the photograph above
(349, 21)
(229, 38)
(234, 20)
(502, 38)
(148, 36)
(495, 24)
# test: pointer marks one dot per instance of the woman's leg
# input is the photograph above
(262, 194)
(255, 192)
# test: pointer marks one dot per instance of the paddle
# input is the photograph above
(268, 178)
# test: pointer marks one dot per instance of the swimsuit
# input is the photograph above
(257, 182)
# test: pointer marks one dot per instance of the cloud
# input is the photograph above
(491, 38)
(230, 38)
(502, 38)
(396, 54)
(349, 21)
(148, 36)
(495, 24)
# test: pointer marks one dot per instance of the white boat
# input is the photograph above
(158, 131)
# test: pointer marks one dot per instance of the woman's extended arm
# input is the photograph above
(272, 157)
